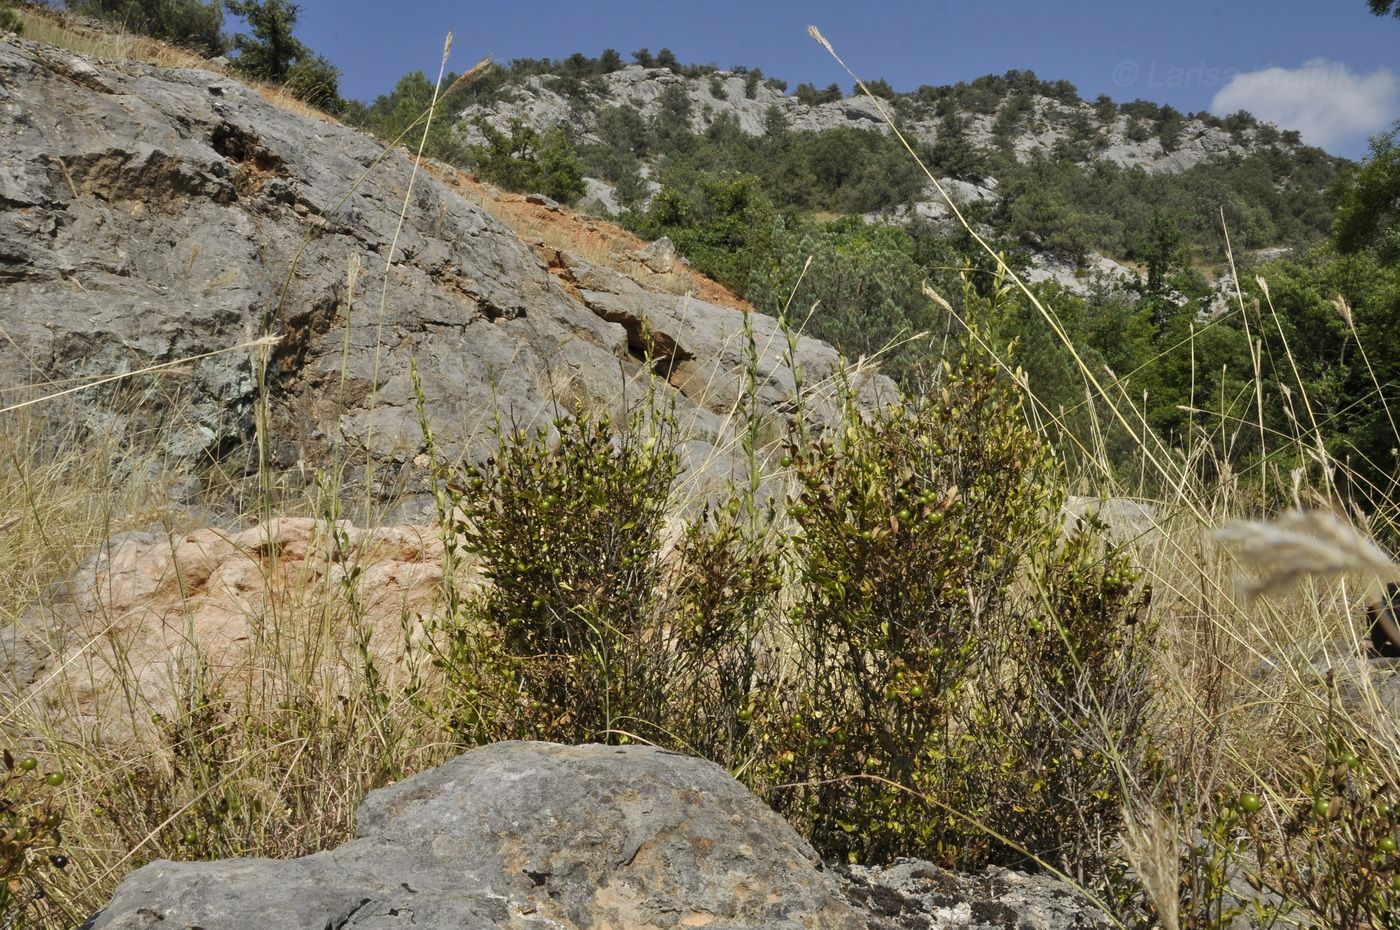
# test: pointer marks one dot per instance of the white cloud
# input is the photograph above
(1324, 100)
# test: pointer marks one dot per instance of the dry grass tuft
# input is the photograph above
(1301, 544)
(111, 44)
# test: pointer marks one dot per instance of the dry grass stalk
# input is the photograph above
(1301, 544)
(1152, 844)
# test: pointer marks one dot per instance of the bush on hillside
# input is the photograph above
(194, 24)
(946, 626)
(723, 230)
(935, 596)
(526, 161)
(862, 287)
(809, 95)
(316, 81)
(1368, 201)
(10, 20)
(596, 625)
(399, 117)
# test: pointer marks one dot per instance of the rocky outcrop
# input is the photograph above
(1048, 124)
(534, 835)
(157, 217)
(109, 645)
(1096, 273)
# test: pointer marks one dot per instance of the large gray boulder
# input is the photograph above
(535, 835)
(151, 216)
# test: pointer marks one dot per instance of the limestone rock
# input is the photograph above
(167, 217)
(701, 351)
(1044, 129)
(534, 835)
(522, 835)
(659, 256)
(917, 895)
(1097, 271)
(108, 646)
(541, 200)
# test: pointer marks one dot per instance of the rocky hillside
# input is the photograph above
(175, 218)
(1079, 185)
(1026, 116)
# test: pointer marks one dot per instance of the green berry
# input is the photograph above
(28, 764)
(1249, 803)
(1386, 844)
(54, 779)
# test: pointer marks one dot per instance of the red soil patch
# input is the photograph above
(549, 228)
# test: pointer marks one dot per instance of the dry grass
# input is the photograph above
(109, 43)
(68, 32)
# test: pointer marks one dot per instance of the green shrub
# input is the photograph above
(1339, 857)
(1009, 119)
(1366, 199)
(10, 20)
(955, 649)
(399, 116)
(1064, 704)
(1318, 851)
(864, 282)
(194, 24)
(30, 836)
(569, 535)
(935, 595)
(723, 231)
(316, 81)
(593, 627)
(271, 52)
(1170, 127)
(526, 161)
(809, 95)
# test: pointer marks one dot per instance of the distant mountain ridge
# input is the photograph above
(1017, 113)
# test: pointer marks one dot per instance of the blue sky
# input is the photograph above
(1326, 67)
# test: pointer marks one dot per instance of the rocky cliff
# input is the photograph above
(157, 217)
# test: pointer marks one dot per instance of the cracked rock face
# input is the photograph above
(152, 216)
(535, 835)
